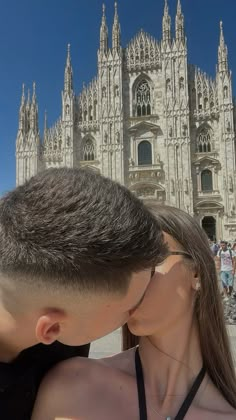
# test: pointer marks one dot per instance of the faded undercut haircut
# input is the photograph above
(74, 228)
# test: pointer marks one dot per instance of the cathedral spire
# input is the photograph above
(34, 111)
(22, 110)
(166, 24)
(45, 123)
(103, 33)
(28, 101)
(23, 95)
(116, 31)
(222, 52)
(179, 23)
(34, 94)
(68, 78)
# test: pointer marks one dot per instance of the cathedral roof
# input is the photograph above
(143, 51)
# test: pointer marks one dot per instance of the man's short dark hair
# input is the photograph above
(75, 228)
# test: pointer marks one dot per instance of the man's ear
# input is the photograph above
(49, 326)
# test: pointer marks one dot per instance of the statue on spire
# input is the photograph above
(103, 32)
(116, 31)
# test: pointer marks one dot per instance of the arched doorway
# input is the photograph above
(209, 225)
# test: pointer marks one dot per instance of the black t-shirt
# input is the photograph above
(19, 380)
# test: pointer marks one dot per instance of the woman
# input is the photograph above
(182, 368)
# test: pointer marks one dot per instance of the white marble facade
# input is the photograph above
(149, 120)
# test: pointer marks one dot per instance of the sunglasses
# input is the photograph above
(186, 254)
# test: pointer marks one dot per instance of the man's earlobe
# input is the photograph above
(48, 327)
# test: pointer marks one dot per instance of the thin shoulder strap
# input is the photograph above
(191, 395)
(141, 387)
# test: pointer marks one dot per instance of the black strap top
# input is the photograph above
(142, 396)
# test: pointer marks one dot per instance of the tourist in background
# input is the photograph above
(226, 259)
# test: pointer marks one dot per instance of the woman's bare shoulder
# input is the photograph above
(214, 406)
(66, 385)
(78, 367)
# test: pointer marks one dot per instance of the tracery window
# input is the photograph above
(144, 153)
(204, 141)
(143, 99)
(88, 150)
(206, 180)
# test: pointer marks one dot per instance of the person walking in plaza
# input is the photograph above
(227, 260)
(75, 254)
(182, 367)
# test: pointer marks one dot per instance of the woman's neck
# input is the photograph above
(171, 362)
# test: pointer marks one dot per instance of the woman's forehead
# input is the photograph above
(171, 242)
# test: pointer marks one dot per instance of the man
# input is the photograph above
(76, 252)
(214, 248)
(226, 260)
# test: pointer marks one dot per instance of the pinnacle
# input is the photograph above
(166, 9)
(23, 93)
(179, 10)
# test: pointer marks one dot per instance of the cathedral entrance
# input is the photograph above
(209, 225)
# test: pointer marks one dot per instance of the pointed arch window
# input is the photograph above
(26, 168)
(145, 153)
(88, 150)
(226, 92)
(143, 99)
(90, 113)
(200, 101)
(206, 180)
(95, 110)
(181, 83)
(168, 85)
(204, 141)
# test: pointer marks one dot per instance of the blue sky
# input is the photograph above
(33, 41)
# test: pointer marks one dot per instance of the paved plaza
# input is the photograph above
(111, 344)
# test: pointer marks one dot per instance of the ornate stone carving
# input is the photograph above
(131, 162)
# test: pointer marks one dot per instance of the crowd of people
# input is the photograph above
(225, 257)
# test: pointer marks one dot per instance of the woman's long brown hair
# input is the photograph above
(214, 339)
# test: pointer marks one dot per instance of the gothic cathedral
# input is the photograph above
(148, 120)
